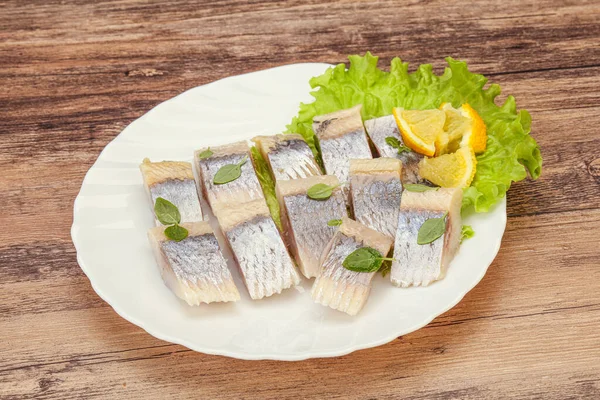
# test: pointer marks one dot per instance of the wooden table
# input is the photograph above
(74, 74)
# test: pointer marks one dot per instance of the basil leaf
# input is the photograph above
(404, 149)
(230, 172)
(176, 232)
(334, 222)
(320, 191)
(364, 259)
(393, 142)
(417, 187)
(166, 212)
(466, 232)
(206, 153)
(432, 229)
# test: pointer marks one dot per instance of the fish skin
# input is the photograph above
(375, 192)
(341, 136)
(173, 181)
(380, 128)
(245, 188)
(288, 155)
(338, 287)
(305, 220)
(420, 265)
(258, 248)
(194, 268)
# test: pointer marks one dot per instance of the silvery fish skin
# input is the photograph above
(380, 128)
(341, 137)
(259, 250)
(194, 268)
(173, 181)
(420, 265)
(375, 193)
(288, 156)
(338, 287)
(305, 220)
(243, 189)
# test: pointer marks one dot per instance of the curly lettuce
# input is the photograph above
(511, 152)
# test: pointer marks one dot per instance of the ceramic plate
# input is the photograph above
(112, 216)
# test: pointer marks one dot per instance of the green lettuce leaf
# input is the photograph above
(267, 183)
(511, 152)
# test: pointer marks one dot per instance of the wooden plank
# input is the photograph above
(518, 309)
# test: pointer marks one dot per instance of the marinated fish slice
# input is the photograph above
(194, 268)
(288, 156)
(338, 287)
(243, 189)
(419, 265)
(305, 220)
(258, 248)
(380, 128)
(375, 193)
(173, 181)
(341, 137)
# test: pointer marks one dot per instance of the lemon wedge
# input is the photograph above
(450, 170)
(420, 129)
(463, 127)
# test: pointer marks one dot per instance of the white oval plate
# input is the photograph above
(112, 215)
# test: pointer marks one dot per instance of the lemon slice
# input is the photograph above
(450, 170)
(420, 129)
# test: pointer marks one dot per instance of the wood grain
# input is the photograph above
(74, 73)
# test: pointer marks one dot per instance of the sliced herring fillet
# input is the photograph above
(259, 250)
(419, 265)
(173, 181)
(194, 268)
(243, 189)
(375, 193)
(338, 287)
(341, 137)
(288, 155)
(305, 220)
(380, 128)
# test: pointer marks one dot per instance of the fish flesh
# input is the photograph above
(380, 128)
(420, 265)
(341, 137)
(243, 189)
(258, 248)
(194, 268)
(173, 181)
(338, 287)
(288, 156)
(375, 193)
(305, 220)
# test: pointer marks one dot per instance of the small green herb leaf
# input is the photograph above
(404, 149)
(166, 212)
(466, 232)
(364, 259)
(229, 172)
(206, 153)
(386, 267)
(417, 187)
(393, 142)
(334, 222)
(320, 191)
(176, 232)
(432, 229)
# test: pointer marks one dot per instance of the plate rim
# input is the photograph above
(262, 356)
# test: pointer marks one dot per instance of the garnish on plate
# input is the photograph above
(321, 191)
(466, 232)
(206, 153)
(168, 214)
(417, 187)
(364, 259)
(432, 229)
(230, 172)
(334, 222)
